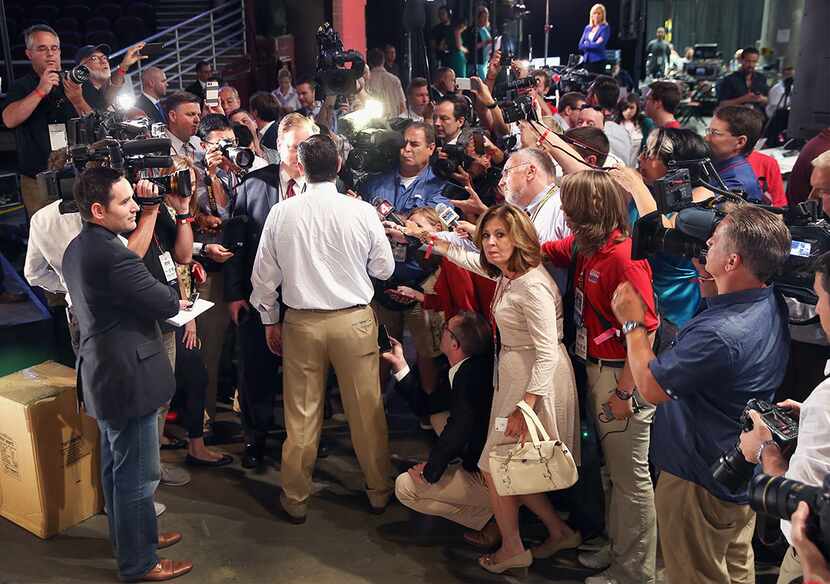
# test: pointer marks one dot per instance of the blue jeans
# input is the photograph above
(130, 470)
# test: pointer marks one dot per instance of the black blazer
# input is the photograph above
(471, 397)
(123, 369)
(269, 138)
(148, 108)
(196, 89)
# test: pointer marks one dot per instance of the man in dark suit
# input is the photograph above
(123, 370)
(255, 196)
(204, 73)
(153, 89)
(437, 487)
(266, 111)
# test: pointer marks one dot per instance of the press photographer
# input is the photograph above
(810, 463)
(701, 384)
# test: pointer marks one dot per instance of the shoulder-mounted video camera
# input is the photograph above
(333, 77)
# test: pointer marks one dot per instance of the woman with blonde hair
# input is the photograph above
(600, 249)
(594, 39)
(533, 366)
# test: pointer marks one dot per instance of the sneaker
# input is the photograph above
(160, 508)
(598, 560)
(173, 476)
(601, 578)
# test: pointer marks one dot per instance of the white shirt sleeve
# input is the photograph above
(455, 239)
(381, 262)
(37, 270)
(267, 274)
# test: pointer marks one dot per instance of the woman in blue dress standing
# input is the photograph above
(594, 38)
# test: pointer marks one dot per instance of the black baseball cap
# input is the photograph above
(86, 50)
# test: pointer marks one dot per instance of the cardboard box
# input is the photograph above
(49, 462)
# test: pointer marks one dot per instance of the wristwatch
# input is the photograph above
(630, 325)
(622, 394)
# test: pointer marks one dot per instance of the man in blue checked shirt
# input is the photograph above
(413, 184)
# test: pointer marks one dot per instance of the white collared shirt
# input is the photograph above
(265, 128)
(50, 233)
(454, 369)
(548, 219)
(810, 462)
(299, 184)
(153, 100)
(322, 248)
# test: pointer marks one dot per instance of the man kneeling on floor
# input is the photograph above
(437, 487)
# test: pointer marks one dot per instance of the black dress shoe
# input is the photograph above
(324, 449)
(174, 444)
(193, 461)
(253, 456)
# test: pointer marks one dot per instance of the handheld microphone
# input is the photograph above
(447, 214)
(386, 210)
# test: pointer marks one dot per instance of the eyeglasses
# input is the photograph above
(506, 170)
(446, 328)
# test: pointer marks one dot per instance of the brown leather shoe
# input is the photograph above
(168, 539)
(167, 570)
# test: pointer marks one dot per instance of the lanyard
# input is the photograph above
(545, 199)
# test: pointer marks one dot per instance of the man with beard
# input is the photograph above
(103, 85)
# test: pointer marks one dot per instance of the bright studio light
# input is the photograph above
(125, 101)
(359, 119)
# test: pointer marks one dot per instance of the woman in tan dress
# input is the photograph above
(533, 366)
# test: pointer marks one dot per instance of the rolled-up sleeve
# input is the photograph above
(267, 275)
(381, 262)
(698, 356)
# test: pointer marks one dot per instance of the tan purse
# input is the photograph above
(535, 467)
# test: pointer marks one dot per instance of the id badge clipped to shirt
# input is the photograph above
(581, 343)
(399, 252)
(57, 136)
(169, 267)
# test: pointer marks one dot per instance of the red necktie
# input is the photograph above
(289, 192)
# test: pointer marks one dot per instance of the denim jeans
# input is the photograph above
(130, 469)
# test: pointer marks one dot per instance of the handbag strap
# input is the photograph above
(532, 421)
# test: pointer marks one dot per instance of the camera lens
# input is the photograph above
(242, 157)
(779, 497)
(732, 470)
(79, 74)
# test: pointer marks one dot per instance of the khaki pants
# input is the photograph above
(790, 567)
(460, 496)
(34, 198)
(631, 519)
(212, 326)
(348, 340)
(704, 539)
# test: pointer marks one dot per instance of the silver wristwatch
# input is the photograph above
(630, 325)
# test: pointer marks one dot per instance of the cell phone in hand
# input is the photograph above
(463, 83)
(194, 297)
(384, 343)
(152, 49)
(212, 94)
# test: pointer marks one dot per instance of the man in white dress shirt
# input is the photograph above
(322, 248)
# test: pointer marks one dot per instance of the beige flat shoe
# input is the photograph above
(551, 548)
(517, 565)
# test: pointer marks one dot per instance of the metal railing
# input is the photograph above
(223, 32)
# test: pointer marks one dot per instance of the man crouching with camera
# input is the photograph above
(122, 367)
(810, 463)
(734, 350)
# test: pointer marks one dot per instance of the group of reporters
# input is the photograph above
(541, 288)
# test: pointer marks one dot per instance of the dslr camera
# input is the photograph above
(779, 498)
(78, 74)
(732, 470)
(241, 156)
(457, 154)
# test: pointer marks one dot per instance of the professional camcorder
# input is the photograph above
(779, 497)
(333, 77)
(374, 150)
(732, 470)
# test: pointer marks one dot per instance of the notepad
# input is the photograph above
(185, 316)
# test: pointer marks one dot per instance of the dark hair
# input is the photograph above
(761, 239)
(440, 72)
(176, 99)
(631, 98)
(742, 121)
(265, 106)
(749, 51)
(589, 140)
(570, 100)
(243, 134)
(416, 83)
(821, 265)
(667, 93)
(201, 64)
(375, 58)
(459, 106)
(240, 110)
(318, 155)
(595, 206)
(607, 91)
(306, 81)
(527, 253)
(94, 185)
(427, 129)
(543, 74)
(212, 123)
(473, 333)
(27, 34)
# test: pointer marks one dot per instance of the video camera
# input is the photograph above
(332, 76)
(732, 470)
(457, 153)
(779, 497)
(91, 141)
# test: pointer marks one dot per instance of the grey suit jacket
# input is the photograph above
(123, 369)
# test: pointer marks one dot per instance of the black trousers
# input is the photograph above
(260, 381)
(191, 385)
(805, 370)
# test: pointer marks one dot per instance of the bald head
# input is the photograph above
(154, 82)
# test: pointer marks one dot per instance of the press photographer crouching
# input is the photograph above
(734, 350)
(122, 369)
(810, 463)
